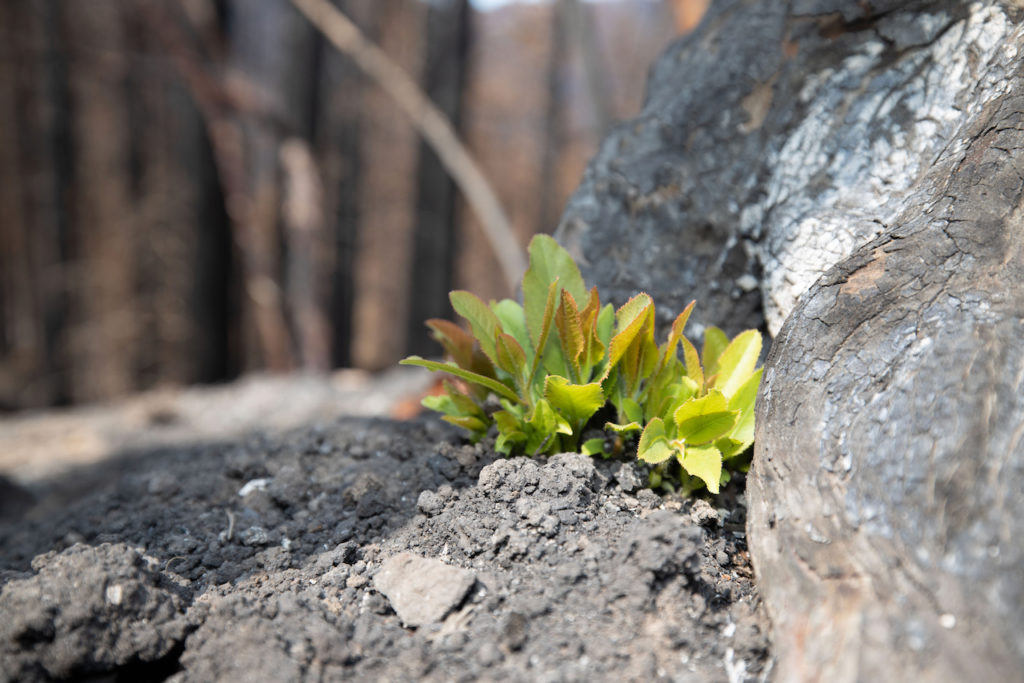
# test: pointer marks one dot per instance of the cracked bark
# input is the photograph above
(867, 168)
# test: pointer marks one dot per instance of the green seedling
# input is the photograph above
(560, 359)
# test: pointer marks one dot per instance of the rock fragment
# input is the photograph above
(422, 590)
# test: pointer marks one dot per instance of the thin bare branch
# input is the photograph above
(431, 123)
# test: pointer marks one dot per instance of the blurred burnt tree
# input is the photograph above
(193, 189)
(196, 188)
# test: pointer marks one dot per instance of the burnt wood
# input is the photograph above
(851, 175)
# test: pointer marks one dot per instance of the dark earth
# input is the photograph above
(283, 556)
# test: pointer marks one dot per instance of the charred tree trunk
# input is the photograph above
(35, 239)
(108, 224)
(867, 159)
(193, 190)
(447, 38)
(549, 203)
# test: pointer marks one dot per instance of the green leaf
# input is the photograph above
(715, 342)
(452, 369)
(509, 441)
(512, 359)
(452, 402)
(473, 424)
(508, 423)
(633, 319)
(668, 350)
(593, 347)
(737, 362)
(743, 401)
(704, 419)
(513, 321)
(693, 369)
(543, 427)
(632, 410)
(457, 343)
(593, 447)
(625, 429)
(461, 348)
(606, 324)
(541, 341)
(570, 332)
(729, 447)
(480, 317)
(549, 263)
(576, 402)
(554, 361)
(658, 451)
(672, 398)
(704, 462)
(654, 446)
(709, 427)
(630, 319)
(713, 402)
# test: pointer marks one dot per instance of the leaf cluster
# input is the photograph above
(561, 358)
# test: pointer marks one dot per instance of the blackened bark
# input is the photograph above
(868, 160)
(447, 36)
(34, 371)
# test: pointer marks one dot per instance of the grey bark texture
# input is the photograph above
(864, 166)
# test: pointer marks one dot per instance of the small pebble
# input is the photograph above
(429, 503)
(703, 514)
(489, 654)
(513, 633)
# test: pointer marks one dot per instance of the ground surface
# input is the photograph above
(279, 557)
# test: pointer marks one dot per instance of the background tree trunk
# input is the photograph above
(447, 46)
(163, 159)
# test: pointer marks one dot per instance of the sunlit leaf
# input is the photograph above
(729, 447)
(606, 324)
(675, 395)
(704, 462)
(632, 320)
(704, 419)
(715, 342)
(654, 446)
(668, 351)
(511, 358)
(480, 317)
(713, 402)
(541, 340)
(513, 321)
(452, 402)
(593, 347)
(708, 427)
(743, 401)
(737, 362)
(575, 402)
(452, 369)
(549, 263)
(570, 331)
(473, 424)
(623, 430)
(693, 369)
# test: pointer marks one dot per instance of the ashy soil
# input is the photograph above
(373, 549)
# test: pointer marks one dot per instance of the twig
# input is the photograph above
(431, 123)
